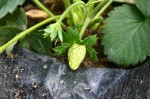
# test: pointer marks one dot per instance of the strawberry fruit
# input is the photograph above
(76, 54)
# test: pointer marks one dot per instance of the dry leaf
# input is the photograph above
(37, 14)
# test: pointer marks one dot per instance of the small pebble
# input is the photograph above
(17, 95)
(45, 66)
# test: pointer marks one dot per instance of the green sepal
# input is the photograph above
(61, 49)
(92, 53)
(90, 40)
(71, 36)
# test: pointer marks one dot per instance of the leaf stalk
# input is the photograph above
(41, 6)
(69, 9)
(24, 33)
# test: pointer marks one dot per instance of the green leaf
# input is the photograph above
(143, 6)
(25, 42)
(8, 6)
(92, 53)
(53, 35)
(7, 33)
(60, 35)
(71, 36)
(9, 49)
(36, 42)
(61, 49)
(90, 6)
(127, 36)
(90, 40)
(77, 15)
(53, 30)
(17, 19)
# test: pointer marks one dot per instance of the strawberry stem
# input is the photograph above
(100, 5)
(40, 5)
(103, 9)
(69, 9)
(125, 1)
(87, 20)
(67, 3)
(86, 23)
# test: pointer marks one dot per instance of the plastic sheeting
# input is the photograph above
(32, 76)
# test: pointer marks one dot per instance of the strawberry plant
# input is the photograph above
(126, 30)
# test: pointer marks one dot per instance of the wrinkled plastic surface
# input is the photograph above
(35, 76)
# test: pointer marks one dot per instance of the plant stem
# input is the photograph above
(22, 34)
(125, 1)
(97, 8)
(76, 1)
(94, 2)
(86, 23)
(103, 8)
(67, 3)
(87, 20)
(40, 5)
(69, 9)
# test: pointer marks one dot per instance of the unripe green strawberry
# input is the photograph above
(76, 54)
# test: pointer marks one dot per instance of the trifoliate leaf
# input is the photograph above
(126, 36)
(143, 6)
(60, 35)
(47, 31)
(76, 54)
(17, 19)
(61, 49)
(8, 6)
(7, 33)
(90, 40)
(92, 53)
(36, 42)
(53, 30)
(53, 35)
(71, 36)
